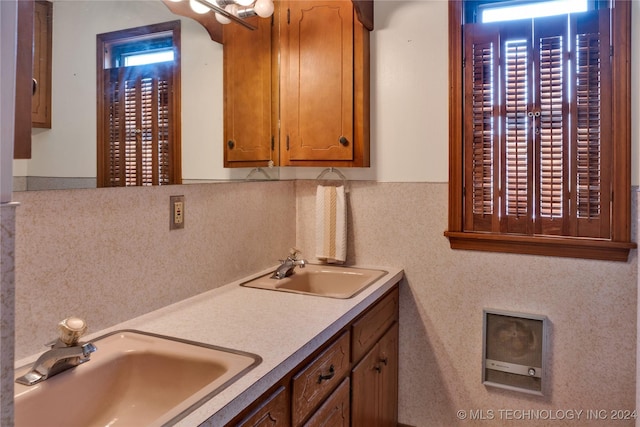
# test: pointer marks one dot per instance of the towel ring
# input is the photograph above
(335, 171)
(257, 170)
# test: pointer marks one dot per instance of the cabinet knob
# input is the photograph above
(231, 144)
(343, 141)
(384, 360)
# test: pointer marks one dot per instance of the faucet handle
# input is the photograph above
(294, 252)
(71, 329)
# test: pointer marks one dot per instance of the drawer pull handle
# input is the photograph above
(328, 376)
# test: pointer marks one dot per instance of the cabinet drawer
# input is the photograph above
(319, 378)
(335, 410)
(369, 328)
(273, 411)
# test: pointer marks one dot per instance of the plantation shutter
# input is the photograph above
(536, 126)
(140, 130)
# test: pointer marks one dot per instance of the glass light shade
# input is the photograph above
(198, 7)
(263, 8)
(244, 3)
(222, 19)
(232, 9)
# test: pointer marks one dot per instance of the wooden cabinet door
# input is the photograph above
(24, 81)
(388, 397)
(41, 102)
(273, 412)
(247, 94)
(334, 412)
(364, 390)
(374, 400)
(317, 81)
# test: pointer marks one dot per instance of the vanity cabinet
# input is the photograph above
(319, 98)
(352, 380)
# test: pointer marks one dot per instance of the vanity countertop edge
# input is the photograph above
(282, 328)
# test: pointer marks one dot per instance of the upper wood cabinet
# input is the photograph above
(24, 82)
(41, 102)
(318, 102)
(249, 109)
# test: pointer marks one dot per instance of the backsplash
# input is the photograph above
(107, 255)
(591, 306)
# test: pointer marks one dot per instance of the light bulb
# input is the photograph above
(263, 8)
(222, 19)
(232, 9)
(244, 3)
(198, 7)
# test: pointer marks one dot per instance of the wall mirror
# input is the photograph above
(64, 156)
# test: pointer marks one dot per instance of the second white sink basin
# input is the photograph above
(321, 280)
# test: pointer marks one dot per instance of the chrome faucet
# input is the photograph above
(65, 353)
(285, 269)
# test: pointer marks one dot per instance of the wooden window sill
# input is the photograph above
(572, 247)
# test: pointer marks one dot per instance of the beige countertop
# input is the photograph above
(282, 328)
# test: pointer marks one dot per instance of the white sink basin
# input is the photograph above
(133, 379)
(320, 280)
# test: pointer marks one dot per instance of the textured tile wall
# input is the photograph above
(107, 255)
(7, 290)
(591, 306)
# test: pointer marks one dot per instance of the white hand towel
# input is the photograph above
(331, 224)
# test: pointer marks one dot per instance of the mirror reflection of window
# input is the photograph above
(139, 107)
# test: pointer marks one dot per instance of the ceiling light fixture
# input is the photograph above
(234, 10)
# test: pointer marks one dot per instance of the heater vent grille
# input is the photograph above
(514, 351)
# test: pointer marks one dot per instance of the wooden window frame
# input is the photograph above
(617, 248)
(175, 154)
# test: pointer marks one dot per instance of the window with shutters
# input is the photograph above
(138, 106)
(539, 132)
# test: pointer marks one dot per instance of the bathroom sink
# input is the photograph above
(134, 378)
(320, 280)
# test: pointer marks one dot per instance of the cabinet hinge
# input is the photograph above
(273, 143)
(464, 62)
(288, 16)
(611, 51)
(287, 142)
